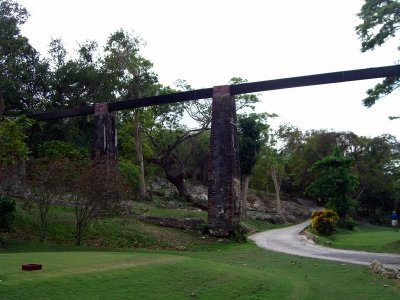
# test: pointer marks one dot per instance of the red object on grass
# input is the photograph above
(31, 267)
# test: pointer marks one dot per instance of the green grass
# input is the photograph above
(151, 210)
(260, 226)
(113, 264)
(365, 238)
(104, 233)
(231, 271)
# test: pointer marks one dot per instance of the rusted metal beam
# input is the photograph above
(65, 113)
(243, 88)
(318, 79)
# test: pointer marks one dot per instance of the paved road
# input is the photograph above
(287, 240)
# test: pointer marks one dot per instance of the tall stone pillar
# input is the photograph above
(105, 135)
(223, 166)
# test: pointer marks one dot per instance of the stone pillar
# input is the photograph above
(223, 166)
(105, 135)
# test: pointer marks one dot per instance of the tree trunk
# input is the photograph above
(277, 191)
(139, 156)
(78, 236)
(42, 225)
(246, 183)
(175, 171)
(179, 182)
(2, 104)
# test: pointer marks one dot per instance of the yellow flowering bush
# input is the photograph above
(324, 221)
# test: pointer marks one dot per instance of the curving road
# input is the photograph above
(287, 240)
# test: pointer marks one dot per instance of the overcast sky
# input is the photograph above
(207, 42)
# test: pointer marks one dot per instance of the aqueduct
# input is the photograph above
(223, 169)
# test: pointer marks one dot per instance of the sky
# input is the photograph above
(210, 41)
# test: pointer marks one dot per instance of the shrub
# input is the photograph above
(350, 223)
(7, 213)
(130, 172)
(324, 221)
(60, 149)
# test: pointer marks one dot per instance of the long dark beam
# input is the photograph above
(161, 99)
(318, 79)
(243, 88)
(65, 113)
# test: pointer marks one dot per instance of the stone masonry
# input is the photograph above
(105, 135)
(223, 167)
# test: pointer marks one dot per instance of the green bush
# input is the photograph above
(60, 149)
(324, 222)
(7, 213)
(130, 172)
(350, 223)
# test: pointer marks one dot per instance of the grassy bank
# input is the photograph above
(105, 232)
(366, 237)
(127, 259)
(229, 271)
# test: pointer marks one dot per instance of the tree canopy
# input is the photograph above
(380, 22)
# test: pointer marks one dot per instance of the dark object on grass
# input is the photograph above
(31, 267)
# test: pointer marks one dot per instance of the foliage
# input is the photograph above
(23, 74)
(380, 22)
(350, 223)
(97, 189)
(57, 149)
(46, 180)
(324, 221)
(377, 165)
(244, 101)
(7, 213)
(130, 172)
(252, 130)
(13, 135)
(334, 182)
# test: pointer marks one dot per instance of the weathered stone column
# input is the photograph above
(105, 135)
(223, 166)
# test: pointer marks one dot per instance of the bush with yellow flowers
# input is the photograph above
(324, 222)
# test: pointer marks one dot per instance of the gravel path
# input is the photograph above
(287, 240)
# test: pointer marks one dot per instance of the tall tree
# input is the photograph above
(334, 183)
(252, 129)
(23, 74)
(378, 170)
(380, 22)
(133, 78)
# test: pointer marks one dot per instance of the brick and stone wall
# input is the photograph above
(223, 169)
(105, 134)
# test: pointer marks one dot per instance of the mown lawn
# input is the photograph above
(229, 271)
(112, 263)
(366, 238)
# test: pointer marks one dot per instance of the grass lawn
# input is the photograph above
(229, 271)
(149, 209)
(366, 238)
(112, 264)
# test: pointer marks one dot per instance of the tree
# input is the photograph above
(308, 149)
(133, 78)
(171, 154)
(13, 152)
(334, 183)
(95, 189)
(251, 129)
(378, 169)
(23, 74)
(274, 158)
(380, 22)
(45, 182)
